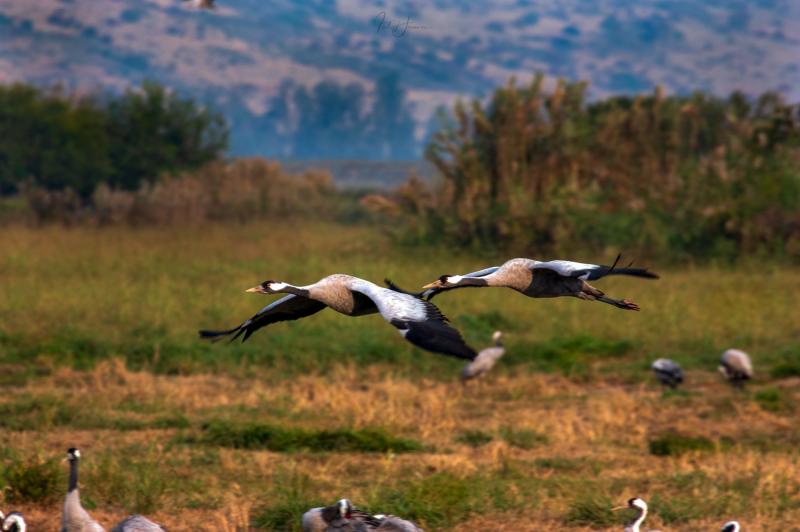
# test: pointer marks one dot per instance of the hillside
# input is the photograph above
(240, 55)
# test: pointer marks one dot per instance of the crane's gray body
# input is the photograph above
(736, 366)
(668, 372)
(137, 523)
(392, 523)
(485, 360)
(75, 518)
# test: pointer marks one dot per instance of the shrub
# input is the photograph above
(591, 510)
(33, 481)
(62, 142)
(523, 438)
(474, 438)
(672, 444)
(533, 169)
(279, 439)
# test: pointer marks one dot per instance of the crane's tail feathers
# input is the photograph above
(604, 271)
(635, 272)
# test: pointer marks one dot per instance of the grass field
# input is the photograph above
(98, 350)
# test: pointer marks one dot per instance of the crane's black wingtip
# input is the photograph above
(394, 288)
(215, 336)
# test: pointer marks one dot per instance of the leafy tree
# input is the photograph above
(152, 130)
(52, 140)
(392, 128)
(59, 142)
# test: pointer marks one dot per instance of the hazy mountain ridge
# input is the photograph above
(238, 56)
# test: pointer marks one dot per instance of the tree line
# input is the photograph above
(548, 171)
(331, 120)
(59, 141)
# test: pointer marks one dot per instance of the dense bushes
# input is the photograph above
(545, 172)
(62, 142)
(241, 190)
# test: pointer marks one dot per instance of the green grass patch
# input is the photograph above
(283, 439)
(291, 496)
(523, 438)
(570, 355)
(135, 479)
(773, 400)
(788, 363)
(439, 501)
(673, 444)
(568, 465)
(479, 326)
(474, 438)
(36, 413)
(592, 511)
(32, 481)
(677, 509)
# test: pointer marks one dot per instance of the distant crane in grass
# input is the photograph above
(485, 360)
(418, 321)
(735, 366)
(640, 506)
(668, 372)
(341, 516)
(76, 519)
(534, 278)
(731, 526)
(13, 522)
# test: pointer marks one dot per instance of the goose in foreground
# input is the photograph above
(392, 523)
(640, 506)
(668, 372)
(533, 278)
(341, 516)
(485, 360)
(735, 365)
(76, 519)
(731, 526)
(418, 321)
(13, 522)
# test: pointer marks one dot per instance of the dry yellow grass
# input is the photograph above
(599, 423)
(591, 430)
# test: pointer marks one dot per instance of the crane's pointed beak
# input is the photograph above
(256, 290)
(436, 284)
(618, 508)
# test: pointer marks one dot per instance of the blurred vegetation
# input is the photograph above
(531, 170)
(678, 176)
(72, 143)
(31, 480)
(673, 444)
(284, 439)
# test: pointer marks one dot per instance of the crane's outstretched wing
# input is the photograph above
(287, 308)
(590, 272)
(419, 321)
